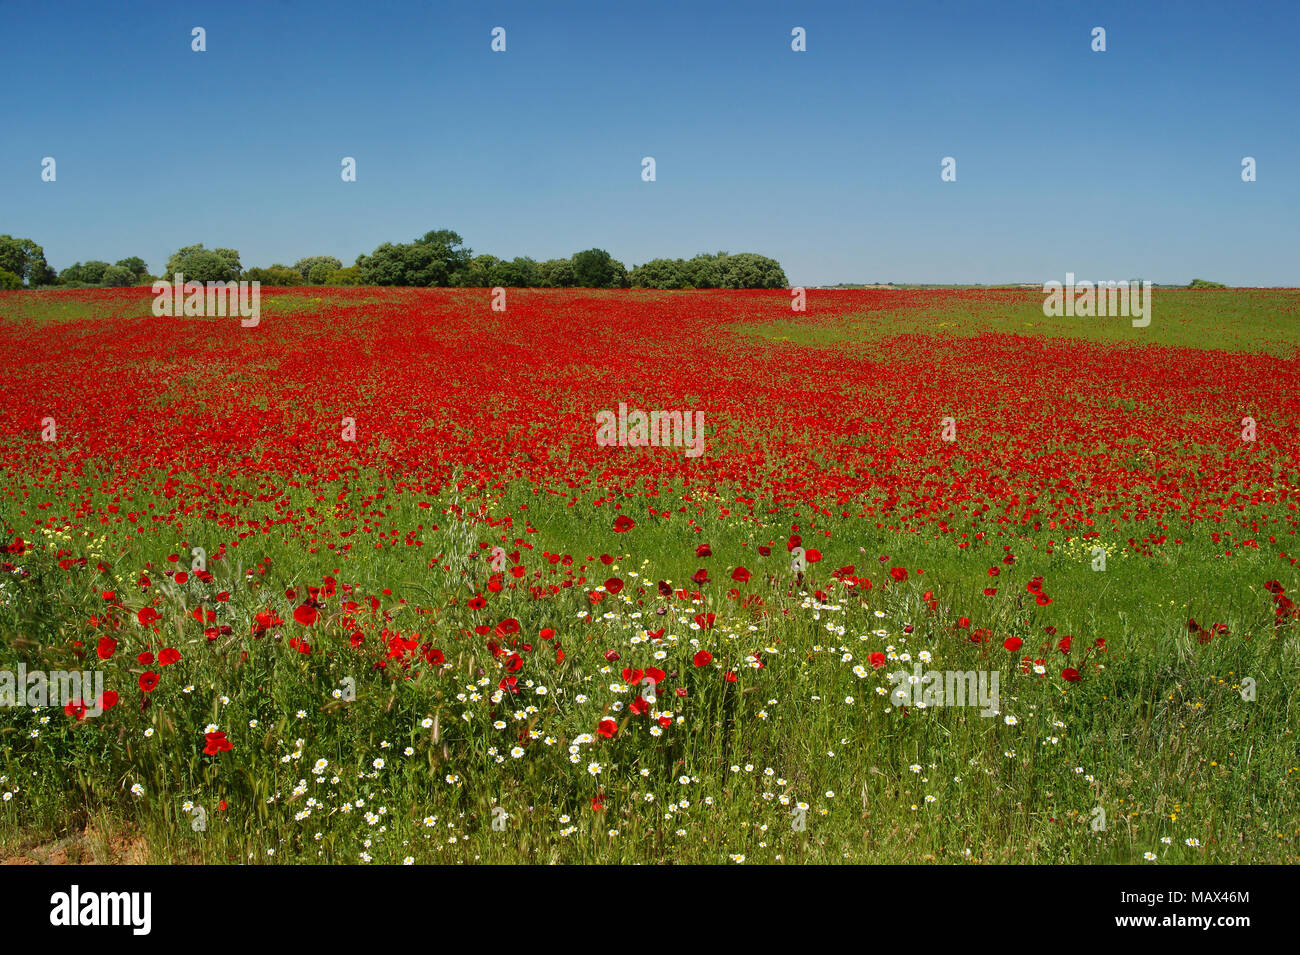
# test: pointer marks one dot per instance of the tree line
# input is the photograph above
(436, 259)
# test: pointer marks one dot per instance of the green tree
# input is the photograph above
(198, 264)
(117, 276)
(660, 273)
(93, 271)
(276, 275)
(136, 266)
(704, 270)
(748, 270)
(320, 273)
(10, 281)
(431, 259)
(555, 273)
(596, 268)
(477, 273)
(519, 272)
(304, 266)
(349, 276)
(25, 259)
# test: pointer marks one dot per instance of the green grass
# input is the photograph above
(1161, 738)
(1235, 320)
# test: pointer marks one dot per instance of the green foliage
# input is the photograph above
(319, 273)
(136, 266)
(704, 271)
(25, 259)
(430, 260)
(1204, 283)
(276, 275)
(349, 276)
(477, 273)
(117, 276)
(9, 281)
(749, 270)
(722, 270)
(596, 268)
(198, 264)
(519, 272)
(660, 273)
(555, 273)
(305, 267)
(437, 258)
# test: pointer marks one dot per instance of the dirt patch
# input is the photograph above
(90, 847)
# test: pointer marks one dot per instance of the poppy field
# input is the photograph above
(362, 585)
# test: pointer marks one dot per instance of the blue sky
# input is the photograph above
(1109, 165)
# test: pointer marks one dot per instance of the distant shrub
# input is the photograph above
(660, 273)
(555, 273)
(1205, 283)
(349, 276)
(117, 276)
(277, 275)
(312, 264)
(9, 281)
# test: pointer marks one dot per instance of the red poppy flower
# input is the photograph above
(740, 575)
(607, 728)
(306, 615)
(108, 700)
(812, 555)
(1012, 643)
(217, 743)
(1070, 674)
(614, 585)
(168, 656)
(148, 680)
(876, 659)
(704, 550)
(75, 709)
(106, 648)
(701, 576)
(146, 616)
(623, 523)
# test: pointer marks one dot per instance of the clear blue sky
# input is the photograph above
(1109, 165)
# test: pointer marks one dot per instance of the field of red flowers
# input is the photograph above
(411, 479)
(1051, 432)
